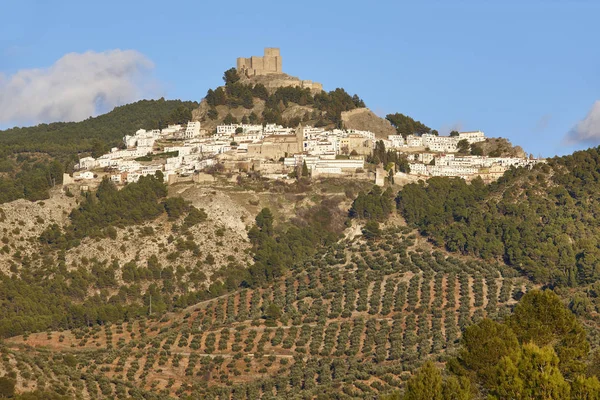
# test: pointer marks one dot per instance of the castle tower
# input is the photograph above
(273, 59)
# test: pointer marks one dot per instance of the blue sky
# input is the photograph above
(525, 70)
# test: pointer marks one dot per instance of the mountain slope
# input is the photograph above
(542, 221)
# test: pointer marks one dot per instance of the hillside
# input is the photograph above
(541, 221)
(33, 159)
(242, 287)
(354, 321)
(366, 120)
(275, 293)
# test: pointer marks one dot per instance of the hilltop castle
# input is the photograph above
(270, 63)
(268, 71)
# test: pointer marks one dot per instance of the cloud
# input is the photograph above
(77, 86)
(587, 130)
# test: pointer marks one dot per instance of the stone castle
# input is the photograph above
(270, 63)
(268, 71)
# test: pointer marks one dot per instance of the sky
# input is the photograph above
(524, 70)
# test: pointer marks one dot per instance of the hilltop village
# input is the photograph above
(187, 152)
(276, 152)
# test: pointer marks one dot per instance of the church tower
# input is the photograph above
(300, 138)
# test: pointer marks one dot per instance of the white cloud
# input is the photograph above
(77, 86)
(588, 129)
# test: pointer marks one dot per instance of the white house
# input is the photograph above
(85, 175)
(472, 136)
(192, 130)
(87, 163)
(396, 141)
(414, 141)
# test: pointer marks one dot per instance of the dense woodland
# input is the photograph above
(541, 221)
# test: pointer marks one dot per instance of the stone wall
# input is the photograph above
(270, 63)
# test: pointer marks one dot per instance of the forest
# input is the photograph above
(540, 221)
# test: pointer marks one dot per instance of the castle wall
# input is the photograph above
(257, 64)
(270, 63)
(272, 52)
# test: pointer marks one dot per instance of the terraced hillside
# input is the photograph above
(354, 320)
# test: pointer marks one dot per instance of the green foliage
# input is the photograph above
(133, 204)
(272, 314)
(7, 387)
(428, 384)
(371, 230)
(328, 106)
(264, 221)
(231, 76)
(275, 253)
(304, 169)
(535, 375)
(484, 345)
(230, 119)
(463, 146)
(541, 318)
(541, 221)
(405, 125)
(376, 204)
(525, 363)
(175, 207)
(32, 181)
(425, 385)
(40, 395)
(194, 217)
(396, 161)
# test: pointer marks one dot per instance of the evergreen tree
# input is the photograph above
(426, 384)
(541, 318)
(304, 169)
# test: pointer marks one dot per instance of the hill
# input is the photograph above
(247, 288)
(366, 120)
(275, 293)
(351, 321)
(33, 159)
(539, 220)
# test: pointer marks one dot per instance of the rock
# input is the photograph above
(366, 120)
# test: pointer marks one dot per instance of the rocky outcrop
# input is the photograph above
(500, 147)
(366, 120)
(274, 81)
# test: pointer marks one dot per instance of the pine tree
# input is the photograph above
(426, 384)
(304, 169)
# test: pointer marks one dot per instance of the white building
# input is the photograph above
(396, 141)
(472, 136)
(87, 163)
(192, 130)
(414, 141)
(84, 175)
(440, 143)
(171, 130)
